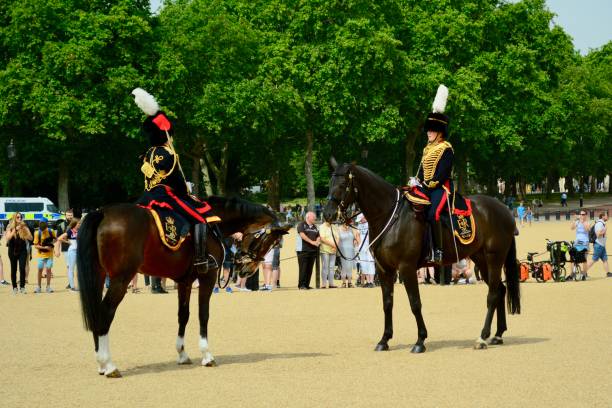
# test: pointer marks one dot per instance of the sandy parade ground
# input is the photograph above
(315, 348)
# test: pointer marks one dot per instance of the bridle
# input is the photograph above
(251, 253)
(342, 206)
(342, 210)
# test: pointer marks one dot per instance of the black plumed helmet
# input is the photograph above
(437, 120)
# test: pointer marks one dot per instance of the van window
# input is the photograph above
(52, 208)
(23, 207)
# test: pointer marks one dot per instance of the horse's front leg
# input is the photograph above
(184, 293)
(387, 281)
(409, 276)
(207, 283)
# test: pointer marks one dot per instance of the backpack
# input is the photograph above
(592, 234)
(47, 242)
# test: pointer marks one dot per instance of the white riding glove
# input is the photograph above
(413, 182)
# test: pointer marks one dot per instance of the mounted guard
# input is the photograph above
(165, 184)
(435, 170)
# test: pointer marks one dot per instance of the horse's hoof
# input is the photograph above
(418, 348)
(382, 347)
(114, 374)
(496, 340)
(184, 362)
(480, 345)
(211, 363)
(101, 372)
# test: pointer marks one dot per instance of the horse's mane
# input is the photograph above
(243, 207)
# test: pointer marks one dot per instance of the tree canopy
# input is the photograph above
(262, 92)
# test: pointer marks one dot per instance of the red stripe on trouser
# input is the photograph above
(440, 206)
(184, 206)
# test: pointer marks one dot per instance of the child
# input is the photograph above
(44, 240)
(529, 215)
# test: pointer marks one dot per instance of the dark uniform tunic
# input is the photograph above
(435, 174)
(165, 186)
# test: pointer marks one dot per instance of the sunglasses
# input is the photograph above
(582, 213)
(18, 217)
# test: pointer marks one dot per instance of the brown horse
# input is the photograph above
(396, 233)
(122, 240)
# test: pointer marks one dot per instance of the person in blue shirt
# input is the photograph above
(520, 212)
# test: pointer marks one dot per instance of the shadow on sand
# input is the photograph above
(161, 367)
(469, 343)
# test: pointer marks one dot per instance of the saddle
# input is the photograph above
(171, 227)
(462, 220)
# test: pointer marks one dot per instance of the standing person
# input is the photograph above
(228, 261)
(599, 246)
(62, 227)
(581, 243)
(70, 237)
(307, 248)
(44, 240)
(564, 199)
(328, 253)
(520, 212)
(349, 241)
(365, 256)
(17, 237)
(529, 215)
(2, 280)
(276, 263)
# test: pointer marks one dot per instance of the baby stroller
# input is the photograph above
(558, 257)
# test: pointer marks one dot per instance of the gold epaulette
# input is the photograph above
(431, 157)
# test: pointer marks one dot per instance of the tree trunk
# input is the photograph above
(523, 189)
(310, 190)
(410, 155)
(62, 186)
(512, 186)
(274, 191)
(220, 170)
(569, 185)
(492, 187)
(593, 185)
(195, 175)
(208, 190)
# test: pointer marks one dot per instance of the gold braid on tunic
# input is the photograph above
(431, 156)
(153, 176)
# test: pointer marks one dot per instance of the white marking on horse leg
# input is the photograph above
(104, 357)
(183, 358)
(207, 357)
(480, 344)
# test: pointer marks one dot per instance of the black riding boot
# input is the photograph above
(199, 242)
(436, 230)
(156, 286)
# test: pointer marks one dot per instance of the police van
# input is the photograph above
(33, 210)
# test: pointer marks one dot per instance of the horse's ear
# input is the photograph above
(333, 163)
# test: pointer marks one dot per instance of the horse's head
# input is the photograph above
(342, 191)
(255, 245)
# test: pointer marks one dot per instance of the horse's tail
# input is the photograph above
(89, 276)
(513, 280)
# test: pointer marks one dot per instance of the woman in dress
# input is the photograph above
(348, 241)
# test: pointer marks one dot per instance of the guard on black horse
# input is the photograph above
(434, 175)
(165, 185)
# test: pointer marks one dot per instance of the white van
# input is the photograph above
(33, 209)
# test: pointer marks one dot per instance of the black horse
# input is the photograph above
(122, 240)
(397, 235)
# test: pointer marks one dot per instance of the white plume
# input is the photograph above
(439, 104)
(145, 101)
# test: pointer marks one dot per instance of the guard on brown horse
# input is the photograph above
(165, 184)
(434, 175)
